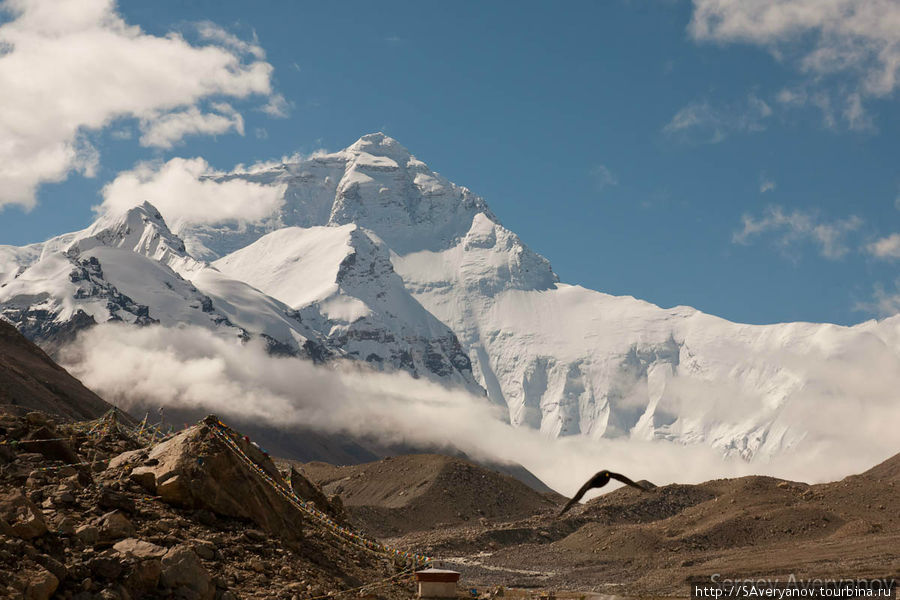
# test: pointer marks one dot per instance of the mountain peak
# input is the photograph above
(379, 144)
(140, 228)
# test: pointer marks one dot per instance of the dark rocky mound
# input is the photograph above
(406, 493)
(30, 380)
(186, 518)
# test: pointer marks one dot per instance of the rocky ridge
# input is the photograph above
(183, 518)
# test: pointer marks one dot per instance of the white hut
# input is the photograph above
(437, 583)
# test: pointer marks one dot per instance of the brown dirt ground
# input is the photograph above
(632, 543)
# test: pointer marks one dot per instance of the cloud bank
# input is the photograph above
(143, 369)
(71, 67)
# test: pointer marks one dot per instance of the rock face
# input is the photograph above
(307, 490)
(195, 470)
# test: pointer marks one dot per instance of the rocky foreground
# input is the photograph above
(103, 511)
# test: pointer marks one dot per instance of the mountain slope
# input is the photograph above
(400, 494)
(31, 380)
(342, 283)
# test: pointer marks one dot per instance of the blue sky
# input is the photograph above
(724, 155)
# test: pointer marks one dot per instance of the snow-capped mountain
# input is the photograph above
(123, 268)
(374, 257)
(130, 267)
(375, 183)
(342, 283)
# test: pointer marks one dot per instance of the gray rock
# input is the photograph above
(106, 566)
(21, 517)
(204, 549)
(89, 534)
(194, 469)
(144, 576)
(112, 499)
(54, 566)
(114, 526)
(139, 548)
(182, 571)
(127, 458)
(66, 526)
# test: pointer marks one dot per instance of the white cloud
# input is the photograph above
(603, 177)
(277, 106)
(887, 247)
(766, 184)
(700, 122)
(145, 368)
(884, 303)
(69, 67)
(186, 191)
(798, 226)
(856, 40)
(211, 32)
(170, 128)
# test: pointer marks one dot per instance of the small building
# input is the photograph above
(437, 583)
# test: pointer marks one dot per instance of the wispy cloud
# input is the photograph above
(603, 178)
(168, 129)
(792, 228)
(855, 44)
(766, 184)
(884, 302)
(701, 122)
(886, 248)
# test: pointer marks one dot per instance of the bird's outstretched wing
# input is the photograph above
(590, 483)
(598, 480)
(626, 481)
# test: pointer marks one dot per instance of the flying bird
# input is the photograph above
(598, 481)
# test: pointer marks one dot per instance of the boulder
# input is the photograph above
(20, 516)
(127, 458)
(51, 564)
(144, 576)
(139, 548)
(113, 499)
(114, 526)
(66, 526)
(52, 450)
(195, 469)
(309, 491)
(106, 566)
(88, 534)
(41, 584)
(183, 572)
